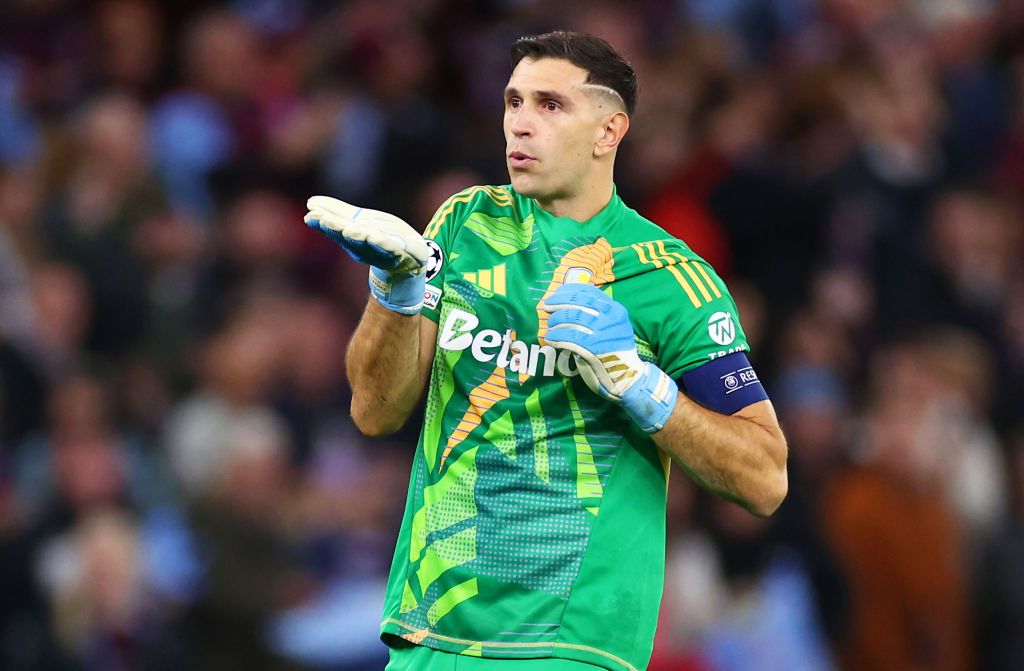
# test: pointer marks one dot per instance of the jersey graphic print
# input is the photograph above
(534, 524)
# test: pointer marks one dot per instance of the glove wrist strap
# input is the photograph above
(650, 400)
(399, 293)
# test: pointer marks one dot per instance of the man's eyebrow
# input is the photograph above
(560, 98)
(552, 95)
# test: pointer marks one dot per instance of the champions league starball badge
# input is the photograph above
(435, 260)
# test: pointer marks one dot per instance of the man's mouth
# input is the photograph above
(518, 159)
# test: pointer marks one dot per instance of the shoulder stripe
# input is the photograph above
(639, 249)
(496, 194)
(685, 286)
(707, 278)
(685, 263)
(499, 195)
(659, 257)
(669, 262)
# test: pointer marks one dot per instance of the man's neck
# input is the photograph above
(580, 206)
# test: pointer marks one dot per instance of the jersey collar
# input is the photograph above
(608, 214)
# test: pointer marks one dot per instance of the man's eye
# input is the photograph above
(551, 106)
(514, 103)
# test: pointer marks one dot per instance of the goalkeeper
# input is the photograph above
(569, 349)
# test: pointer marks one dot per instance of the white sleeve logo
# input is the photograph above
(721, 328)
(435, 260)
(738, 379)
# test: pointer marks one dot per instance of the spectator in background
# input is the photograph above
(27, 633)
(770, 619)
(813, 408)
(79, 466)
(174, 252)
(312, 385)
(256, 247)
(977, 236)
(396, 127)
(881, 195)
(694, 586)
(895, 532)
(240, 518)
(213, 118)
(109, 188)
(83, 461)
(959, 430)
(102, 611)
(62, 307)
(350, 514)
(741, 599)
(129, 41)
(239, 368)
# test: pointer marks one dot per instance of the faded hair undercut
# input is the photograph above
(604, 65)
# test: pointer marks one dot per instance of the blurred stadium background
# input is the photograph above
(180, 484)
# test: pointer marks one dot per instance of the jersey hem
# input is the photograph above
(431, 639)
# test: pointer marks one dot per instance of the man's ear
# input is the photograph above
(611, 133)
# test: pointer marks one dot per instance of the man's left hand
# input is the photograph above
(596, 329)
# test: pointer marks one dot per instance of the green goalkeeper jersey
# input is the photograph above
(535, 519)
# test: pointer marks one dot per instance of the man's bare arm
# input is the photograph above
(390, 353)
(741, 457)
(388, 361)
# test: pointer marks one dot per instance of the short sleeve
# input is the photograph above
(438, 235)
(702, 325)
(441, 233)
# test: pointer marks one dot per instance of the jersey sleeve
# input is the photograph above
(703, 346)
(439, 235)
(700, 322)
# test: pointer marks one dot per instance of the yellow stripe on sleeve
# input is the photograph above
(663, 260)
(640, 254)
(496, 194)
(447, 208)
(662, 256)
(653, 253)
(685, 286)
(707, 278)
(685, 263)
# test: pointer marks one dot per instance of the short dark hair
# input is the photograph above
(604, 65)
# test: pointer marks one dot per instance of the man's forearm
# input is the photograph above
(742, 458)
(383, 369)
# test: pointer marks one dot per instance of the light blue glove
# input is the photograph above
(597, 330)
(396, 253)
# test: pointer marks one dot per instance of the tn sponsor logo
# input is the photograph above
(722, 328)
(486, 345)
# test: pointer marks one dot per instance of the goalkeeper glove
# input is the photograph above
(597, 330)
(396, 253)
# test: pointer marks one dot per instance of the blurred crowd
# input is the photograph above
(181, 486)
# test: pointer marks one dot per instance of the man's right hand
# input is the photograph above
(396, 253)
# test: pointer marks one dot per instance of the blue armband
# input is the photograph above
(725, 384)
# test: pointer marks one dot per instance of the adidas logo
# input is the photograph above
(492, 280)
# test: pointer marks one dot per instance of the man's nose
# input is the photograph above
(521, 124)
